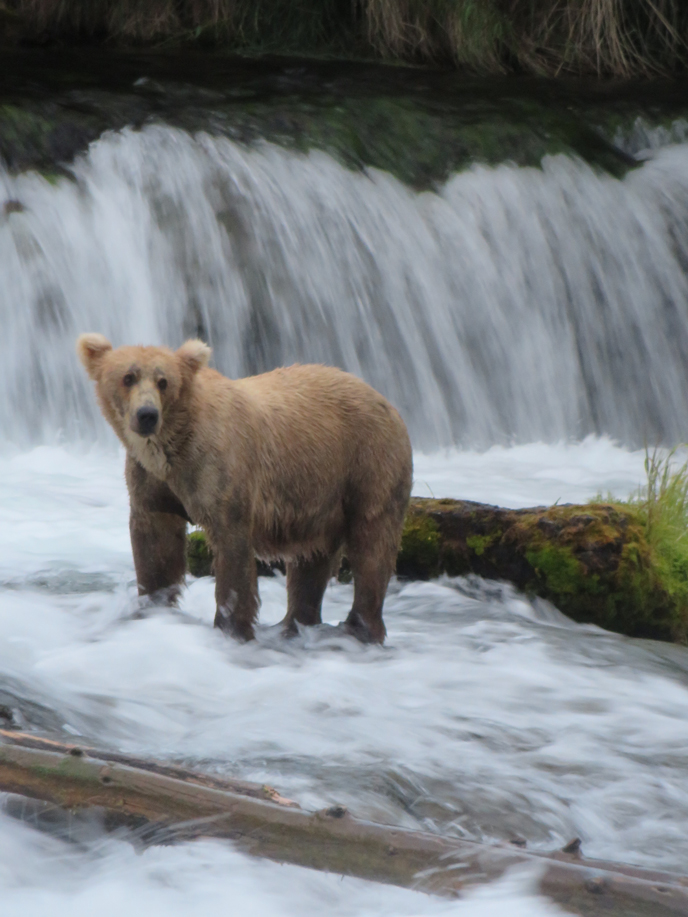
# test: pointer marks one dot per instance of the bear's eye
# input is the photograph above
(162, 384)
(129, 380)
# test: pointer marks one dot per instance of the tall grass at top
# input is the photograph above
(621, 38)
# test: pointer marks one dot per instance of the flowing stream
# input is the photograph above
(532, 327)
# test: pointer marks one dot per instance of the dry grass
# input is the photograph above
(620, 38)
(617, 37)
(470, 32)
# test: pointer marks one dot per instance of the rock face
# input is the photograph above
(593, 562)
(421, 126)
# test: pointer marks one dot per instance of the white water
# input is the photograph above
(41, 876)
(515, 305)
(485, 715)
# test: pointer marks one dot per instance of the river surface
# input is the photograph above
(485, 716)
(532, 326)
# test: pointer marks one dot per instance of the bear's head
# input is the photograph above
(139, 387)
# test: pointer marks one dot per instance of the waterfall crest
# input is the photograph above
(511, 305)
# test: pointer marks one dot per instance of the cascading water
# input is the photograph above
(511, 305)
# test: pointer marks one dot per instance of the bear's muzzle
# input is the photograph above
(146, 420)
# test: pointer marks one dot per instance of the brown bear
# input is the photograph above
(295, 464)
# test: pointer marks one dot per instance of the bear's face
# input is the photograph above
(139, 387)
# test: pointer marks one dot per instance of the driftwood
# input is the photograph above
(186, 804)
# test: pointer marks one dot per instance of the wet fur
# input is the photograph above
(296, 464)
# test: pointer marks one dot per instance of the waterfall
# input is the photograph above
(512, 304)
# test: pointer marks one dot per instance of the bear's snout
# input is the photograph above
(147, 420)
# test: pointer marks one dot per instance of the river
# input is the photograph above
(532, 326)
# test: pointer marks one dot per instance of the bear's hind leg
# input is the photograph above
(372, 554)
(307, 579)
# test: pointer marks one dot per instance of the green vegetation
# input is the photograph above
(661, 508)
(480, 543)
(199, 557)
(420, 546)
(620, 38)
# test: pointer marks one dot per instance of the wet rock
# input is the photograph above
(573, 848)
(419, 126)
(13, 206)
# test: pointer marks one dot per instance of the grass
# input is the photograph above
(662, 507)
(620, 38)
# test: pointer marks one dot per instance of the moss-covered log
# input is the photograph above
(192, 805)
(593, 562)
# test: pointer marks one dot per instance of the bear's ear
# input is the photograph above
(91, 349)
(194, 354)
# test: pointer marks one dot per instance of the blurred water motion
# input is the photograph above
(513, 305)
(509, 306)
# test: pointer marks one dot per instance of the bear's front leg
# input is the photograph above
(236, 584)
(157, 525)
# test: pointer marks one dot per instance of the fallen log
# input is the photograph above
(593, 562)
(185, 804)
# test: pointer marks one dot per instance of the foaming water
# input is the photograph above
(42, 875)
(644, 140)
(485, 715)
(513, 305)
(532, 474)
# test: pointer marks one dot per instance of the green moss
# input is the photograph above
(559, 569)
(480, 543)
(420, 547)
(596, 565)
(199, 557)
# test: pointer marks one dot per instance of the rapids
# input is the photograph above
(531, 325)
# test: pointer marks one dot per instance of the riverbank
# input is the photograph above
(422, 126)
(631, 39)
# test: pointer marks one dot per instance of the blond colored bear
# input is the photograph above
(295, 464)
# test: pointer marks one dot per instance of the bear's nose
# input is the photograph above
(147, 420)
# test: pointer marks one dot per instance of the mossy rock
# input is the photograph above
(199, 557)
(593, 562)
(421, 126)
(419, 554)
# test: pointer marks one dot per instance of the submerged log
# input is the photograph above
(192, 805)
(593, 561)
